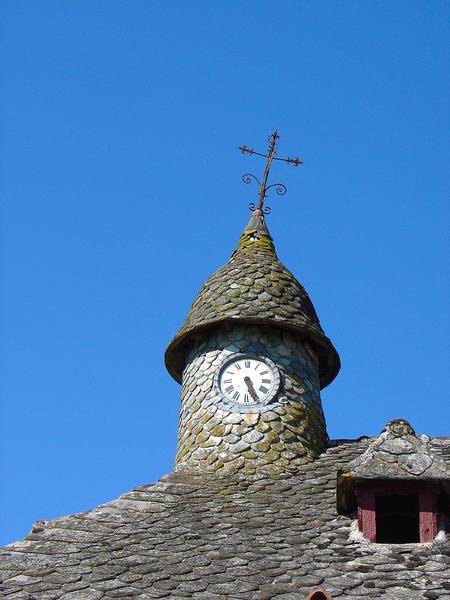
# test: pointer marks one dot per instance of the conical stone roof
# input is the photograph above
(254, 287)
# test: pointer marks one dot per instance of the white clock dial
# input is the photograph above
(248, 381)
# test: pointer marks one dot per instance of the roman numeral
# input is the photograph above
(246, 399)
(263, 389)
(247, 364)
(229, 389)
(263, 372)
(227, 380)
(236, 395)
(266, 380)
(238, 366)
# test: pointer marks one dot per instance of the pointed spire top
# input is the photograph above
(257, 223)
(263, 187)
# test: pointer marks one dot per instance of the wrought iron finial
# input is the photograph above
(263, 187)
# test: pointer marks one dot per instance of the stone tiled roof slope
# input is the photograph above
(222, 539)
(254, 287)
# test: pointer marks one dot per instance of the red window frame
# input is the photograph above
(367, 491)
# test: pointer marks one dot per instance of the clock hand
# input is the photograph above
(251, 389)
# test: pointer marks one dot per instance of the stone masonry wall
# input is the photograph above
(272, 439)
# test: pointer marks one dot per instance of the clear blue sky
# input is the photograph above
(121, 192)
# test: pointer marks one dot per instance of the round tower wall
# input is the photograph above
(277, 437)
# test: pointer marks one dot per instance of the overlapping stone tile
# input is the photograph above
(204, 537)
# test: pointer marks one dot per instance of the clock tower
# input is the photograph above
(252, 358)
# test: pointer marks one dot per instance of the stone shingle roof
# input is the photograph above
(209, 538)
(254, 287)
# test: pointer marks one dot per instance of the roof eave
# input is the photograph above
(178, 349)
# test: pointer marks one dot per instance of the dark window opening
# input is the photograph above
(397, 519)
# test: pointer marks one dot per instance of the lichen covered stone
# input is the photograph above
(274, 438)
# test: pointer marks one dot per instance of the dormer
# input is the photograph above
(398, 486)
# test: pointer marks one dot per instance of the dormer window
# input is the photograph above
(394, 485)
(392, 512)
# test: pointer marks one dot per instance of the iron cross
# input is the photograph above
(263, 189)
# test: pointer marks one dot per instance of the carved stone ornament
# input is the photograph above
(399, 427)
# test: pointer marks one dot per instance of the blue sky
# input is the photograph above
(121, 193)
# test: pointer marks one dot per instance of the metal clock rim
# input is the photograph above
(226, 402)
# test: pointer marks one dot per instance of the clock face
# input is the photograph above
(248, 380)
